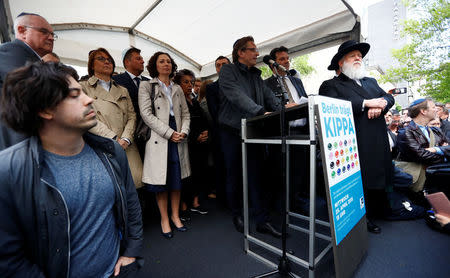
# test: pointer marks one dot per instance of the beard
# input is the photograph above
(354, 72)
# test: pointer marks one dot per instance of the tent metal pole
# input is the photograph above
(144, 15)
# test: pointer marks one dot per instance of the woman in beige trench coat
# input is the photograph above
(116, 118)
(166, 159)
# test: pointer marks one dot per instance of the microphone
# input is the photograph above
(268, 60)
(292, 72)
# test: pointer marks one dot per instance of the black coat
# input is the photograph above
(412, 145)
(198, 152)
(272, 83)
(34, 229)
(373, 143)
(199, 122)
(125, 80)
(13, 55)
(445, 127)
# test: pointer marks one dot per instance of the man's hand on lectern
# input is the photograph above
(290, 105)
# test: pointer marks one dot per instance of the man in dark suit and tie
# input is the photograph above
(212, 89)
(293, 85)
(131, 79)
(34, 39)
(299, 162)
(369, 103)
(212, 100)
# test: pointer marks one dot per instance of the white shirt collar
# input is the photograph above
(133, 76)
(104, 84)
(162, 84)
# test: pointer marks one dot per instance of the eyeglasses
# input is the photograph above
(188, 82)
(43, 31)
(103, 59)
(252, 49)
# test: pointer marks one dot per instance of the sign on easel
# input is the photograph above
(342, 170)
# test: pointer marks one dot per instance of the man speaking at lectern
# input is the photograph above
(243, 94)
(369, 103)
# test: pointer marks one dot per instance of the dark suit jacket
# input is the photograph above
(445, 127)
(13, 55)
(125, 80)
(371, 133)
(272, 83)
(393, 136)
(212, 99)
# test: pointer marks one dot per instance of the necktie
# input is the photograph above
(138, 81)
(291, 100)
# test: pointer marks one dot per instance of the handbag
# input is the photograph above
(142, 133)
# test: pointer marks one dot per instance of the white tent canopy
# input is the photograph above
(194, 32)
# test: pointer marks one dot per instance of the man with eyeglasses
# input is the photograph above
(243, 94)
(34, 39)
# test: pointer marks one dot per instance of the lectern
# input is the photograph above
(265, 129)
(336, 137)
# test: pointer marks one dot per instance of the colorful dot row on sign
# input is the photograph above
(342, 152)
(343, 169)
(341, 143)
(344, 160)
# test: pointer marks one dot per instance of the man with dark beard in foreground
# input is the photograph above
(369, 103)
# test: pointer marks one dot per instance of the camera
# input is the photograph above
(398, 91)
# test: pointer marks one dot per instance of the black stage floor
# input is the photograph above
(212, 249)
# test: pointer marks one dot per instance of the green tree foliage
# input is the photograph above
(299, 63)
(266, 72)
(425, 59)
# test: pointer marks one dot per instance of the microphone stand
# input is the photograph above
(284, 268)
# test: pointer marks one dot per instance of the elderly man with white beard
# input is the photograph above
(369, 103)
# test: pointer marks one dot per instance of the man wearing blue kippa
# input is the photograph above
(34, 39)
(421, 146)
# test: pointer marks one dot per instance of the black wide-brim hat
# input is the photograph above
(345, 48)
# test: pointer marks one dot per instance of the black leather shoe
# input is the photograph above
(267, 228)
(372, 227)
(238, 223)
(168, 235)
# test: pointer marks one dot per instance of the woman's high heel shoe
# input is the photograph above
(180, 229)
(168, 235)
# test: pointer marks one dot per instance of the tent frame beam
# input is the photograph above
(6, 22)
(337, 38)
(144, 15)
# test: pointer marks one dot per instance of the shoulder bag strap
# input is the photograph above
(152, 98)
